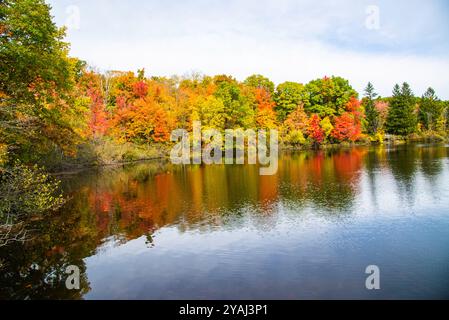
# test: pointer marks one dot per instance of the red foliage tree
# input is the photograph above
(315, 131)
(120, 102)
(140, 89)
(98, 123)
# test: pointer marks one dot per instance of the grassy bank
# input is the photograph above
(423, 137)
(106, 152)
(103, 153)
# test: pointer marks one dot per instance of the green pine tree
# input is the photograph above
(431, 110)
(372, 115)
(402, 119)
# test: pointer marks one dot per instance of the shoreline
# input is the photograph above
(397, 141)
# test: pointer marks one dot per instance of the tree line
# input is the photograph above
(126, 107)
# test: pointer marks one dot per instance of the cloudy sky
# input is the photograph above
(286, 40)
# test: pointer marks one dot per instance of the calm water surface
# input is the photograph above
(158, 231)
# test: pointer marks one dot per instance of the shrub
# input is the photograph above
(26, 193)
(296, 137)
(379, 137)
(327, 126)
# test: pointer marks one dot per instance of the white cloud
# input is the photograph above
(291, 40)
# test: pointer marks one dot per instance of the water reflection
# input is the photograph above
(312, 189)
(327, 179)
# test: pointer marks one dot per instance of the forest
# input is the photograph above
(58, 113)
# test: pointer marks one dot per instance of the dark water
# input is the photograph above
(158, 231)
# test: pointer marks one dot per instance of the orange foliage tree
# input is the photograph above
(348, 126)
(98, 123)
(297, 120)
(145, 121)
(265, 117)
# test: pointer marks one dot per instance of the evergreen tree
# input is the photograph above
(372, 115)
(430, 110)
(402, 119)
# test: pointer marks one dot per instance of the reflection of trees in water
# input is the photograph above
(133, 201)
(405, 161)
(432, 165)
(431, 161)
(144, 197)
(402, 161)
(374, 163)
(325, 179)
(36, 269)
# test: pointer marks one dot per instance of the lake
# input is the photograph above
(158, 231)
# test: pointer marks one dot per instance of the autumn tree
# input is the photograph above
(98, 118)
(212, 113)
(348, 126)
(265, 115)
(297, 120)
(328, 96)
(295, 127)
(345, 128)
(327, 126)
(258, 81)
(35, 77)
(288, 96)
(238, 109)
(382, 108)
(32, 53)
(315, 132)
(140, 89)
(123, 86)
(143, 122)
